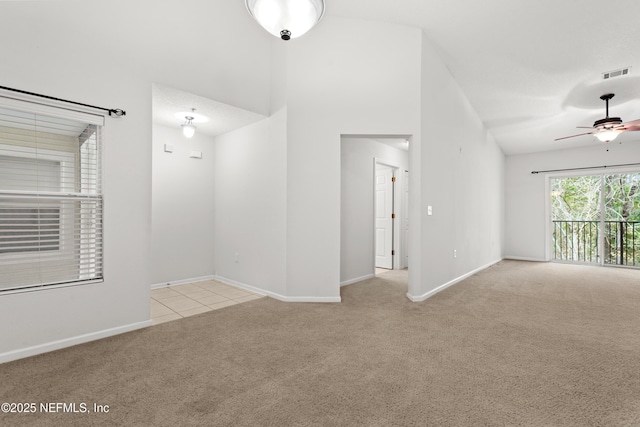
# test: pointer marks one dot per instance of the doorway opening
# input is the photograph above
(374, 206)
(596, 219)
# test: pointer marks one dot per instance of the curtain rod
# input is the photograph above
(589, 167)
(113, 112)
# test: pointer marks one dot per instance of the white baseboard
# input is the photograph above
(419, 298)
(520, 258)
(308, 299)
(68, 342)
(182, 282)
(241, 285)
(356, 280)
(273, 294)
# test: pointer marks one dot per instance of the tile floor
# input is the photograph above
(178, 301)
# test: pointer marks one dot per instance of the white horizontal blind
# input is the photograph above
(50, 197)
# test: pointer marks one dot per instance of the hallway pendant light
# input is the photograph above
(286, 19)
(188, 128)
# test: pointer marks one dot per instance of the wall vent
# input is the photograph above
(616, 73)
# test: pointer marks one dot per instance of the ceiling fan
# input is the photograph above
(609, 128)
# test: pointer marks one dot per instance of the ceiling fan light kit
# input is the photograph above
(608, 129)
(608, 135)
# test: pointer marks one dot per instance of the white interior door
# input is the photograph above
(383, 220)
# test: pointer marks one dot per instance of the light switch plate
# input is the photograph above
(429, 210)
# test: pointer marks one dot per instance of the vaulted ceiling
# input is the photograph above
(533, 70)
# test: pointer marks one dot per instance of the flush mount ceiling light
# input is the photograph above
(191, 117)
(286, 19)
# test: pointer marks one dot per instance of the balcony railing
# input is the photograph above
(580, 240)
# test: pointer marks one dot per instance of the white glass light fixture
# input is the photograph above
(191, 117)
(188, 128)
(608, 135)
(286, 19)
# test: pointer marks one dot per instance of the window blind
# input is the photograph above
(51, 200)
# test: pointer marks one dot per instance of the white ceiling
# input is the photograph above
(222, 117)
(531, 69)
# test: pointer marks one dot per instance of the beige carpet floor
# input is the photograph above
(519, 344)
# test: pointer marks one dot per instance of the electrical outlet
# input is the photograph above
(455, 253)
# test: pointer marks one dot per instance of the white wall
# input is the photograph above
(357, 202)
(111, 61)
(250, 205)
(344, 77)
(182, 220)
(526, 193)
(462, 178)
(47, 319)
(386, 79)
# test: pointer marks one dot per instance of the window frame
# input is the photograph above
(26, 104)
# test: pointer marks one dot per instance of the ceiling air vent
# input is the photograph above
(616, 73)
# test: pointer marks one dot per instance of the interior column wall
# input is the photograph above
(250, 205)
(374, 70)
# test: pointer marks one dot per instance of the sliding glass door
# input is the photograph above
(596, 219)
(622, 219)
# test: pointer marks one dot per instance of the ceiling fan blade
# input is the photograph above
(630, 126)
(584, 127)
(572, 136)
